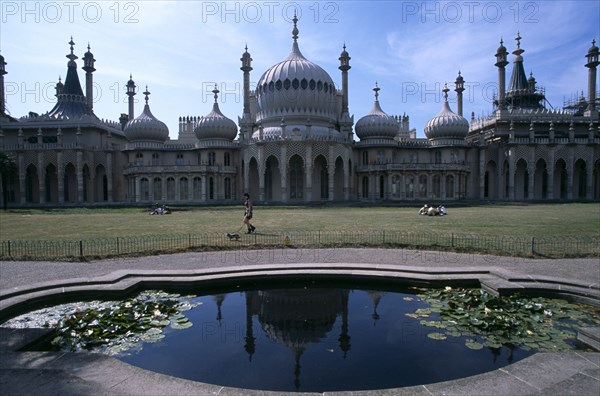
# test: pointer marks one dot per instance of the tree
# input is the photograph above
(8, 168)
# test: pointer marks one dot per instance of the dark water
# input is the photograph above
(313, 339)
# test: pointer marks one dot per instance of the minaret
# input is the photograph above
(459, 88)
(592, 58)
(88, 66)
(501, 62)
(2, 73)
(131, 94)
(60, 87)
(246, 68)
(344, 67)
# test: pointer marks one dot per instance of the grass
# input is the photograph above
(543, 230)
(543, 220)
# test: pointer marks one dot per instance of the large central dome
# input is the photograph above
(296, 89)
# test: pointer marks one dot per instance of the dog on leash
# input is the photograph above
(233, 236)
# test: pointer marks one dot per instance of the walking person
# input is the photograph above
(248, 213)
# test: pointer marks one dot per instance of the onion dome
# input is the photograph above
(296, 87)
(215, 125)
(146, 127)
(377, 124)
(446, 124)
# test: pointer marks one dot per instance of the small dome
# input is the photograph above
(146, 127)
(502, 48)
(593, 49)
(215, 125)
(446, 124)
(377, 124)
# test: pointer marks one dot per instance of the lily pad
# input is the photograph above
(472, 344)
(437, 336)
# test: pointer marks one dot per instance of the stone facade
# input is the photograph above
(295, 142)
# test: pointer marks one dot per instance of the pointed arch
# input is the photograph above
(540, 180)
(253, 178)
(32, 185)
(521, 180)
(560, 179)
(320, 178)
(51, 183)
(338, 180)
(272, 179)
(296, 178)
(490, 182)
(100, 184)
(70, 183)
(579, 179)
(87, 183)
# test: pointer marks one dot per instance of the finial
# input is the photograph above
(72, 44)
(146, 93)
(215, 91)
(295, 30)
(344, 46)
(445, 91)
(246, 47)
(501, 41)
(518, 38)
(376, 89)
(593, 42)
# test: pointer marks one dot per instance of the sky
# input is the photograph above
(181, 49)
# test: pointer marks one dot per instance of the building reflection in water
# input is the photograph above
(297, 318)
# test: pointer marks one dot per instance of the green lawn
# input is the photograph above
(543, 220)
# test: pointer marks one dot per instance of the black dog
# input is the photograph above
(233, 236)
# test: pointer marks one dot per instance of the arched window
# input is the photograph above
(296, 178)
(227, 159)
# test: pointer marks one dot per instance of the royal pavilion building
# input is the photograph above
(296, 142)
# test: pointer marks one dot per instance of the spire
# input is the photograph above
(146, 94)
(71, 103)
(518, 79)
(521, 91)
(376, 90)
(445, 91)
(295, 30)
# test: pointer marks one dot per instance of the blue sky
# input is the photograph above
(181, 49)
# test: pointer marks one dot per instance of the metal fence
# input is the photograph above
(83, 249)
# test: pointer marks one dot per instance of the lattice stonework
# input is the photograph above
(521, 152)
(273, 150)
(30, 158)
(100, 159)
(340, 151)
(50, 158)
(320, 149)
(561, 153)
(70, 156)
(582, 152)
(542, 153)
(296, 148)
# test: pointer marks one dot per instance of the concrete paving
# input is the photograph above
(25, 284)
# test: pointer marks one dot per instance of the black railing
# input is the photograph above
(552, 247)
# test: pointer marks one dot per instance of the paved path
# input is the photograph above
(36, 373)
